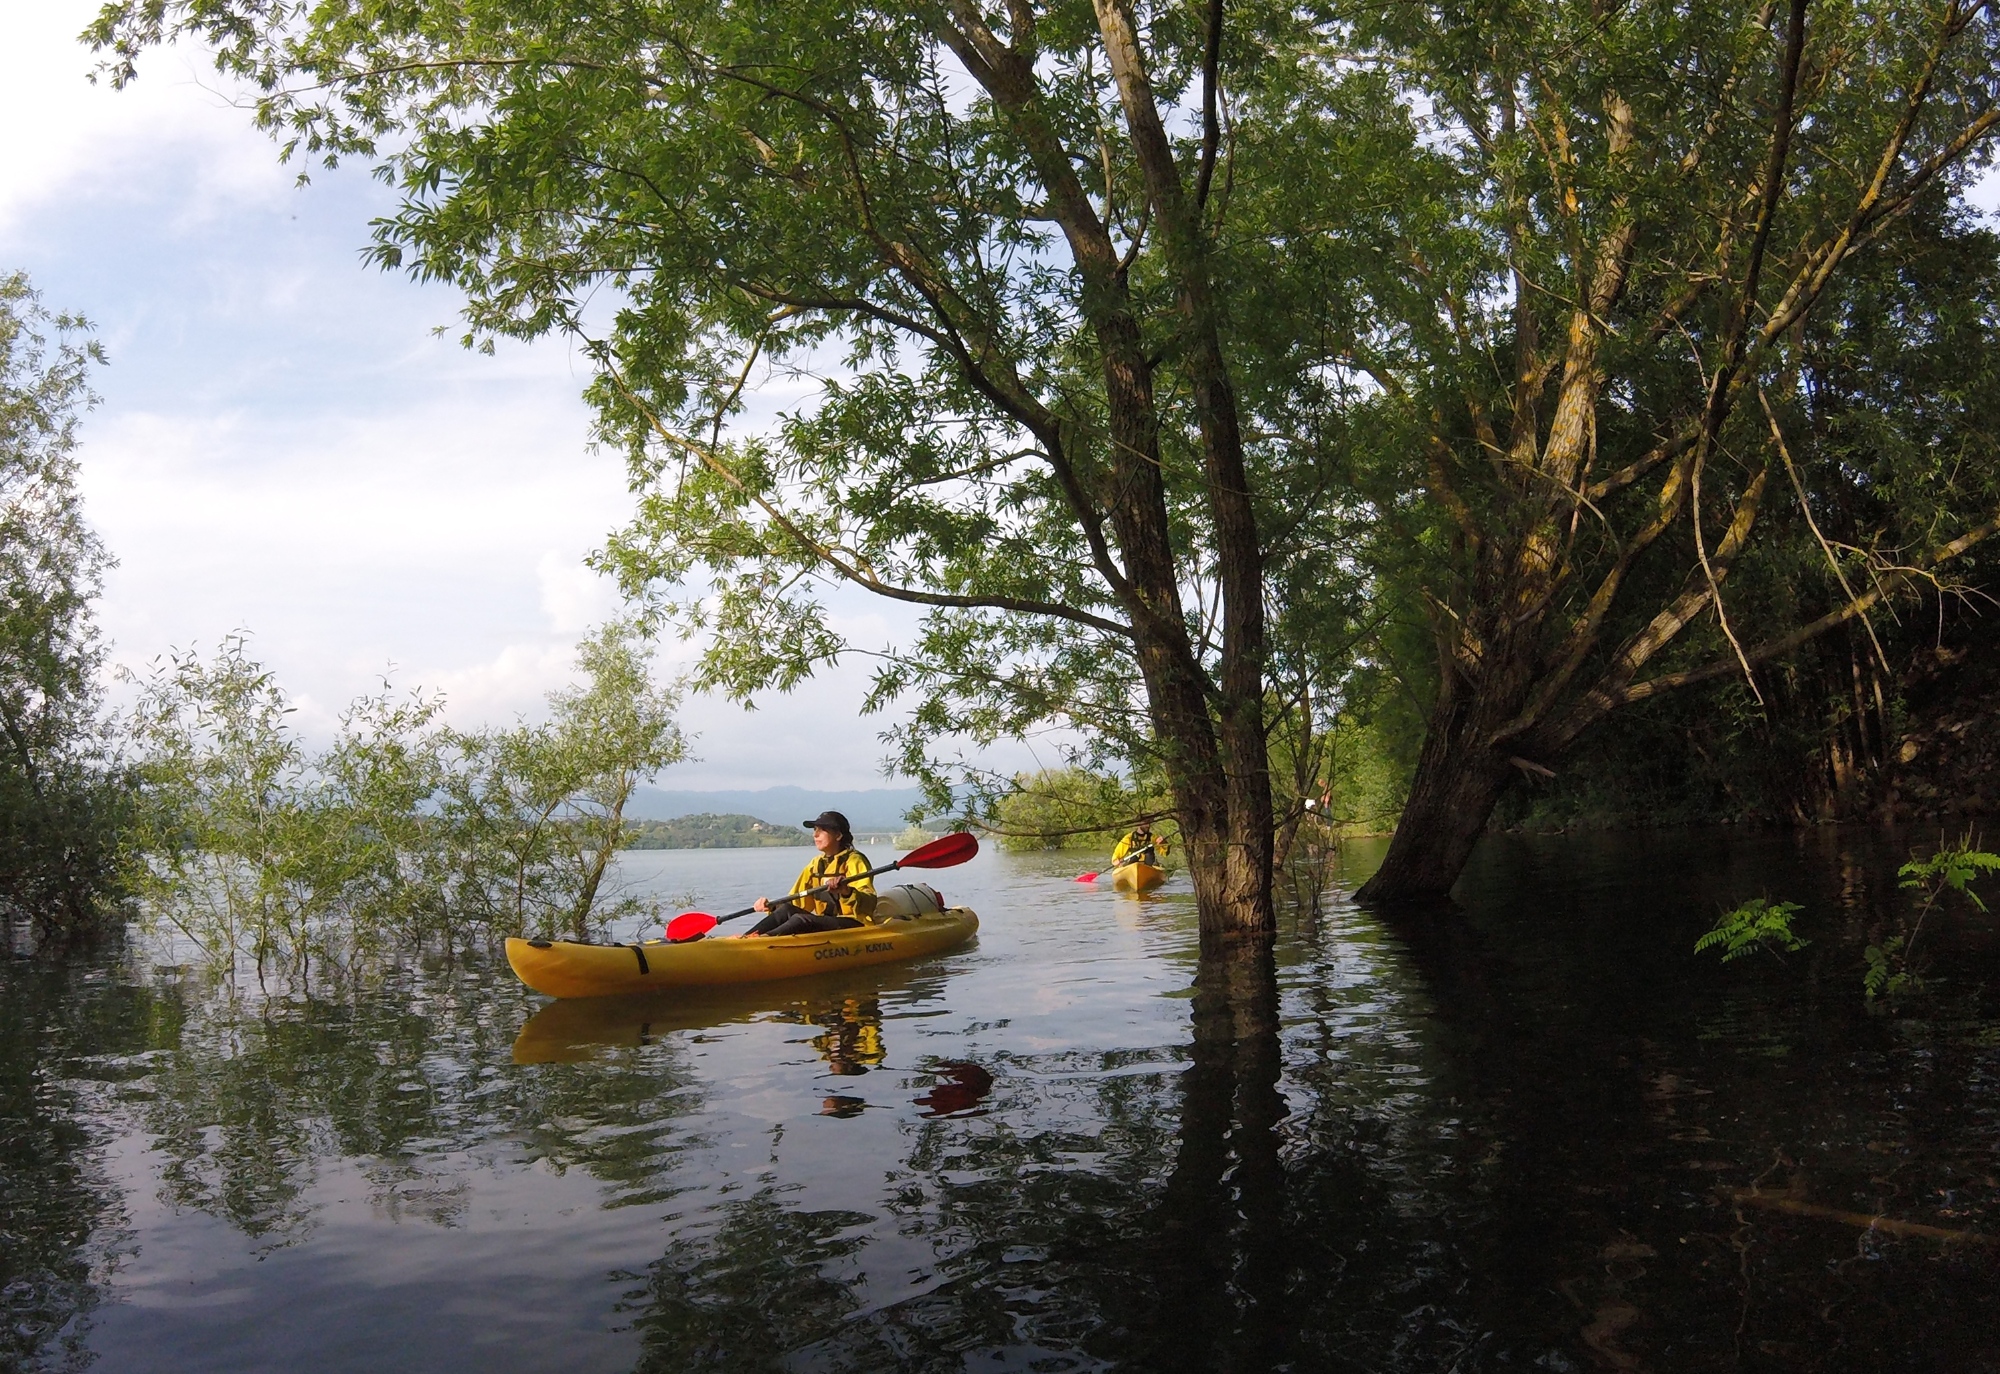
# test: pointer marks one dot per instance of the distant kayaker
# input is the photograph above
(839, 865)
(1139, 846)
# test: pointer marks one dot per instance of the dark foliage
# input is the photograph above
(62, 800)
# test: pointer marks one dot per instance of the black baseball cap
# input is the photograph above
(829, 820)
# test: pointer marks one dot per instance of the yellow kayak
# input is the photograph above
(1137, 877)
(566, 968)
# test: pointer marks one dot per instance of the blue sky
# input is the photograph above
(286, 446)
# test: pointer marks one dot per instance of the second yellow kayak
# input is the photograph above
(1137, 877)
(567, 968)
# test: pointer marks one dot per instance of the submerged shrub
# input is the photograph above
(1893, 969)
(1068, 808)
(405, 833)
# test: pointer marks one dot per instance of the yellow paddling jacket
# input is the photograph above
(1132, 844)
(857, 899)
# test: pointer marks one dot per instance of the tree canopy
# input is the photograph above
(1167, 356)
(59, 797)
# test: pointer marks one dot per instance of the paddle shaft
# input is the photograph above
(947, 851)
(1135, 857)
(823, 890)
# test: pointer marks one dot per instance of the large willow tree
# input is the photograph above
(1581, 296)
(1569, 271)
(983, 238)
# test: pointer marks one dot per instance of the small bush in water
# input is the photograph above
(1755, 925)
(405, 833)
(1069, 808)
(1892, 969)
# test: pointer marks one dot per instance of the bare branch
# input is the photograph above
(1784, 644)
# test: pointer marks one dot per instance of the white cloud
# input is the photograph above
(71, 139)
(574, 596)
(511, 684)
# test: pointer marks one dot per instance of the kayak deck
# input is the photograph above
(569, 968)
(1138, 877)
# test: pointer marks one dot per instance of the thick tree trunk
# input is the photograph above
(1460, 778)
(1210, 732)
(1232, 856)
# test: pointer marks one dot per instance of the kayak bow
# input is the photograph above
(1137, 877)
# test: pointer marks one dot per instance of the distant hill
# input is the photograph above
(879, 809)
(710, 831)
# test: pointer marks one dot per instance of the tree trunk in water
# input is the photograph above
(1229, 859)
(1226, 801)
(1459, 780)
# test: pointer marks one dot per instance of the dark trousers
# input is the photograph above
(786, 919)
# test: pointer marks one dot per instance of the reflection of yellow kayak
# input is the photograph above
(1137, 877)
(575, 1028)
(565, 968)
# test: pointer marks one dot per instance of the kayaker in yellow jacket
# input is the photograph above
(840, 865)
(1139, 846)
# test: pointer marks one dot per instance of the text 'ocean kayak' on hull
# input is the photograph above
(567, 968)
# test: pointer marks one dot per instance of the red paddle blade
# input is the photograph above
(942, 852)
(690, 925)
(1086, 877)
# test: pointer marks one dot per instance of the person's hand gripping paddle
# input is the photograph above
(947, 852)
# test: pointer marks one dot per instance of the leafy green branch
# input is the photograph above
(1756, 925)
(1892, 969)
(406, 833)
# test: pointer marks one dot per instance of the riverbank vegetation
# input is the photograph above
(707, 831)
(1071, 808)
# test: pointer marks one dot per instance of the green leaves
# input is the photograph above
(1953, 868)
(1756, 925)
(833, 287)
(1890, 965)
(1071, 808)
(405, 834)
(61, 797)
(1894, 968)
(1887, 973)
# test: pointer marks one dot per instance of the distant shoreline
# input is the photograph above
(734, 830)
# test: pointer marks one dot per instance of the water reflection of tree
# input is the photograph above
(755, 1292)
(1223, 1251)
(1128, 1212)
(65, 1035)
(1632, 1098)
(252, 1099)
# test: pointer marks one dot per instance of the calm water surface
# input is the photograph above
(1538, 1134)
